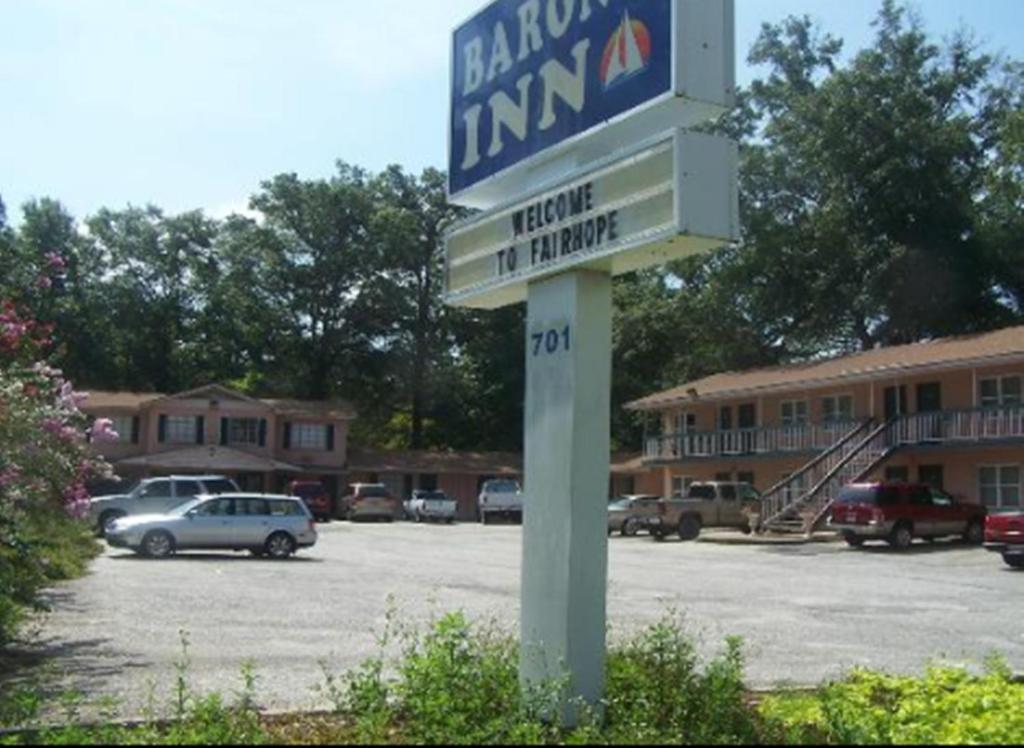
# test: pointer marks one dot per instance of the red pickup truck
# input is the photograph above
(899, 512)
(1004, 534)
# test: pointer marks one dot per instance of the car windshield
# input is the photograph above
(858, 495)
(619, 504)
(431, 495)
(182, 509)
(505, 486)
(373, 492)
(219, 486)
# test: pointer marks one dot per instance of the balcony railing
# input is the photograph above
(769, 440)
(978, 425)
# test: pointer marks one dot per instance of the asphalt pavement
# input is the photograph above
(808, 612)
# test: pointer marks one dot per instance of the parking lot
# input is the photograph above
(806, 611)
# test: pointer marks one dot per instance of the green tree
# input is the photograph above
(322, 270)
(409, 220)
(860, 187)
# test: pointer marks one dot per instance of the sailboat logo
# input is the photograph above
(628, 52)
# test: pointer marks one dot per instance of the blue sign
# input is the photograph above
(530, 74)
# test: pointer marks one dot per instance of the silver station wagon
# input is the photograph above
(274, 526)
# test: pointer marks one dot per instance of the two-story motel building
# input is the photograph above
(947, 412)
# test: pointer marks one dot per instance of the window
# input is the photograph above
(181, 429)
(932, 475)
(216, 508)
(728, 492)
(723, 477)
(285, 508)
(939, 498)
(999, 486)
(309, 436)
(187, 489)
(251, 507)
(794, 413)
(680, 485)
(745, 478)
(999, 391)
(159, 489)
(897, 475)
(836, 409)
(686, 423)
(124, 426)
(243, 431)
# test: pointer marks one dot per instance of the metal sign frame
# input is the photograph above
(703, 177)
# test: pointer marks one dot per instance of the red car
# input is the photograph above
(315, 496)
(1004, 533)
(899, 512)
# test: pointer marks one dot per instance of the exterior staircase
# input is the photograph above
(801, 502)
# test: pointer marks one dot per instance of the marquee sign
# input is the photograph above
(533, 80)
(668, 198)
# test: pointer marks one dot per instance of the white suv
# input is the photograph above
(156, 496)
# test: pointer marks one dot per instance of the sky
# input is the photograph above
(190, 104)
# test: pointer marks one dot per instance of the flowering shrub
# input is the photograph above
(45, 465)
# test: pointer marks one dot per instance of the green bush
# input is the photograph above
(38, 548)
(459, 685)
(948, 706)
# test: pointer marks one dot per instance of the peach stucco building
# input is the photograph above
(263, 444)
(946, 412)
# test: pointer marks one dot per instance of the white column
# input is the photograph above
(565, 538)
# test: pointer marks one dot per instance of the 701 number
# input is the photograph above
(551, 342)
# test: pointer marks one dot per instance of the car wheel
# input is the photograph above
(1014, 562)
(280, 546)
(658, 536)
(107, 519)
(630, 528)
(689, 528)
(975, 534)
(158, 544)
(902, 536)
(852, 540)
(483, 518)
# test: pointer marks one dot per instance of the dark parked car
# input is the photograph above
(899, 512)
(317, 499)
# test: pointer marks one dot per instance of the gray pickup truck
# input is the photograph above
(712, 504)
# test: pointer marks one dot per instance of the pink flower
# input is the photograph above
(43, 282)
(9, 475)
(103, 431)
(55, 261)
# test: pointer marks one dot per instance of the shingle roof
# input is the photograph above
(468, 463)
(337, 409)
(210, 459)
(1007, 343)
(118, 400)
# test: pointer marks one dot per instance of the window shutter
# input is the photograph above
(200, 429)
(224, 427)
(135, 429)
(287, 436)
(330, 438)
(161, 435)
(263, 432)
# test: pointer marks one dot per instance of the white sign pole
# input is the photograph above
(565, 537)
